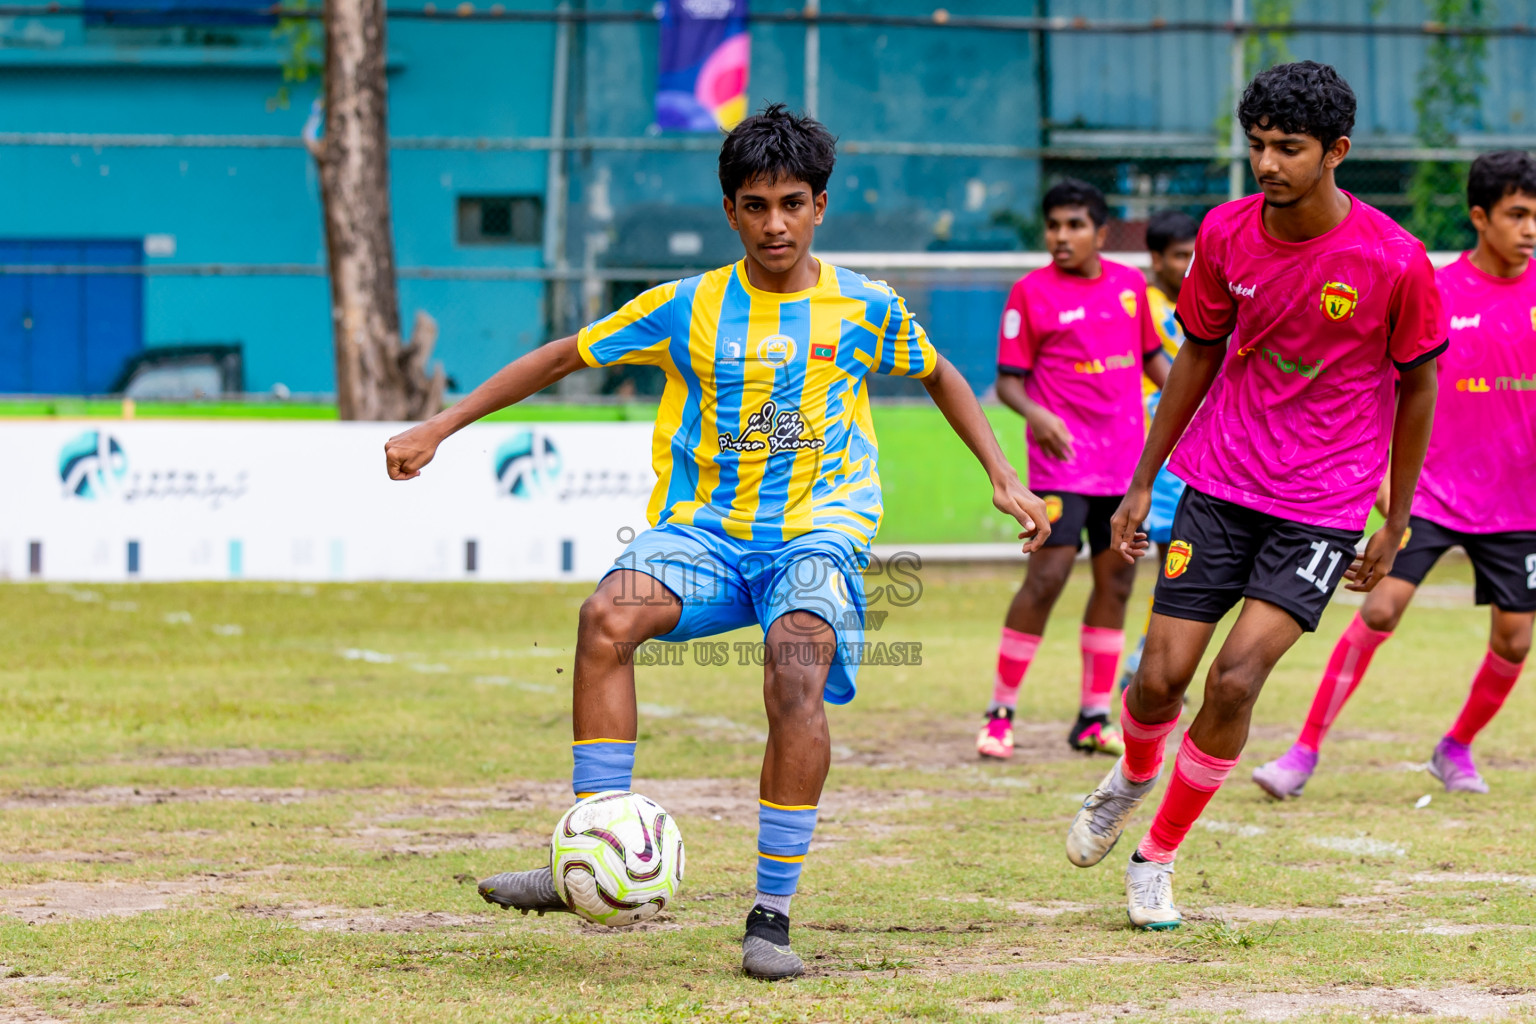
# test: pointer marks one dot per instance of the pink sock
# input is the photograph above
(1490, 686)
(1196, 778)
(1346, 667)
(1143, 744)
(1101, 656)
(1014, 653)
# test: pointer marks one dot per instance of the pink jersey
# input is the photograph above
(1299, 419)
(1480, 473)
(1080, 343)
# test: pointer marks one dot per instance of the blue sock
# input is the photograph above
(602, 765)
(783, 840)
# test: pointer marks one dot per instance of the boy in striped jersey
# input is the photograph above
(767, 496)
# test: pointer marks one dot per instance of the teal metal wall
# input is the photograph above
(1015, 92)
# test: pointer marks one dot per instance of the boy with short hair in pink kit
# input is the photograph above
(1301, 308)
(1076, 337)
(1478, 488)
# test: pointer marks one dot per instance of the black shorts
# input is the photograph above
(1071, 514)
(1503, 564)
(1221, 553)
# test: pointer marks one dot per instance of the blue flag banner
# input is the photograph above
(706, 53)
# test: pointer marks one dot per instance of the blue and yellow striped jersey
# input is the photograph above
(1172, 335)
(764, 430)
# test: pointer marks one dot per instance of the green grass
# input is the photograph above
(211, 823)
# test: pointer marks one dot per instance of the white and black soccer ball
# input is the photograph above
(617, 858)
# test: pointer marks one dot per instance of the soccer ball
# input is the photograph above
(617, 858)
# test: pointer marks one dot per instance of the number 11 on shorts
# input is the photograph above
(1308, 572)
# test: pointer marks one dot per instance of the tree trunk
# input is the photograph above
(377, 378)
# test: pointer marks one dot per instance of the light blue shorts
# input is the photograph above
(1166, 491)
(725, 584)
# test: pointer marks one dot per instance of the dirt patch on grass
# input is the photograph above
(1472, 878)
(948, 743)
(405, 842)
(233, 757)
(67, 857)
(128, 796)
(728, 800)
(1458, 1001)
(354, 919)
(53, 902)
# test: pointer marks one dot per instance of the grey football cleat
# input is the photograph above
(524, 890)
(765, 951)
(1098, 824)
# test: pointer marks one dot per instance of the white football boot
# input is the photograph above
(1098, 824)
(1149, 895)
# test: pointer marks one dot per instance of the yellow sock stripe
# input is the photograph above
(583, 743)
(782, 860)
(787, 807)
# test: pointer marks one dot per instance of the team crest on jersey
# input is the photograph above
(1128, 302)
(1053, 507)
(1179, 554)
(776, 349)
(1339, 300)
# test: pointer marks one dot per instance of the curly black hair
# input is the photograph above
(777, 145)
(1168, 226)
(1496, 175)
(1073, 192)
(1306, 97)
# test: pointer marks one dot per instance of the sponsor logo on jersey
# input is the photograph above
(1533, 318)
(783, 431)
(1124, 362)
(1179, 554)
(1053, 507)
(1012, 321)
(1525, 383)
(1339, 301)
(1241, 291)
(1069, 316)
(1476, 385)
(776, 349)
(1128, 302)
(825, 353)
(1461, 323)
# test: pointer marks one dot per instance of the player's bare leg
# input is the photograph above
(627, 608)
(1045, 576)
(1262, 634)
(1151, 711)
(1102, 642)
(1286, 776)
(798, 656)
(1509, 642)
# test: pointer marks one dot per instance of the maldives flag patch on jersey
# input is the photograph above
(826, 353)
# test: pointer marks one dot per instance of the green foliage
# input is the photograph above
(1265, 49)
(1450, 83)
(305, 42)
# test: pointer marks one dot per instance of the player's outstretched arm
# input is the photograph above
(1188, 380)
(953, 396)
(1410, 440)
(407, 452)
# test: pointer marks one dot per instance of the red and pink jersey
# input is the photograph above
(1298, 421)
(1480, 473)
(1079, 343)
